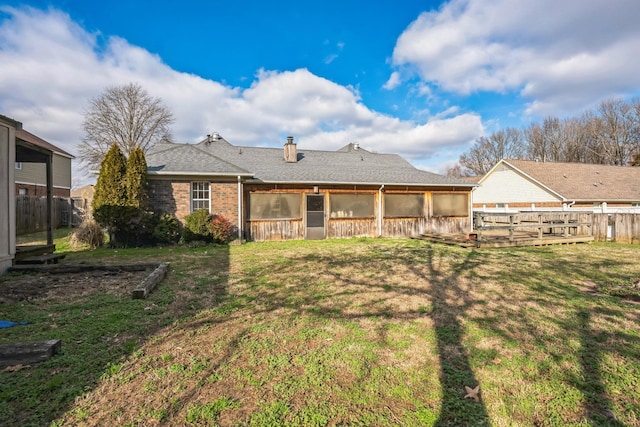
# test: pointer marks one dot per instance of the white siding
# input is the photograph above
(7, 195)
(504, 185)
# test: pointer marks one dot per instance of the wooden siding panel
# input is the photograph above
(261, 231)
(340, 228)
(404, 227)
(448, 225)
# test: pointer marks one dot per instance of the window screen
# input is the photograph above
(352, 205)
(274, 205)
(450, 204)
(403, 205)
(199, 196)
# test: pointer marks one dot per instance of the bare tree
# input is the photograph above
(486, 152)
(127, 115)
(457, 171)
(615, 131)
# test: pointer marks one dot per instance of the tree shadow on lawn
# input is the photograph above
(456, 372)
(451, 302)
(443, 288)
(445, 284)
(548, 331)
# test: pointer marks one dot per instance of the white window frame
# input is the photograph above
(193, 189)
(19, 166)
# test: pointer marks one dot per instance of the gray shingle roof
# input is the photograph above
(586, 182)
(345, 166)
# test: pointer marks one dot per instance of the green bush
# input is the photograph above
(167, 229)
(204, 227)
(196, 227)
(136, 185)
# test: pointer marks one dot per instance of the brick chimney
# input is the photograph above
(290, 151)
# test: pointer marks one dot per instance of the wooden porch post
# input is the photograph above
(49, 200)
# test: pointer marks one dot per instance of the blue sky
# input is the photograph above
(420, 78)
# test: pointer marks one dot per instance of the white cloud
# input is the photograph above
(561, 54)
(393, 82)
(52, 67)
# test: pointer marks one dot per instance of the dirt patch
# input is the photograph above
(68, 286)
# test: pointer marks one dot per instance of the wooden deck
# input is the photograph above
(502, 240)
(503, 230)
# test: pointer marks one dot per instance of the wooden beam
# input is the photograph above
(49, 168)
(27, 353)
(146, 286)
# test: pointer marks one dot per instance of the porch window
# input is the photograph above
(274, 205)
(450, 204)
(200, 196)
(404, 205)
(352, 205)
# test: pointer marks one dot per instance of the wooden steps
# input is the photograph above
(41, 259)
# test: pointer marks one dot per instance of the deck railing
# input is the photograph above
(540, 223)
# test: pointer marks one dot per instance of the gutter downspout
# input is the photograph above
(380, 219)
(239, 207)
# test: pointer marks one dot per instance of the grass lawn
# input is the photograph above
(361, 332)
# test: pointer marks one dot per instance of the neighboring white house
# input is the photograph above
(7, 191)
(525, 185)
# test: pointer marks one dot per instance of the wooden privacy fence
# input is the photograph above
(616, 227)
(31, 213)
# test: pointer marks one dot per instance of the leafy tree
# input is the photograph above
(136, 180)
(110, 194)
(110, 188)
(127, 115)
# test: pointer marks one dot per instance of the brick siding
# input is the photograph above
(174, 197)
(224, 200)
(41, 191)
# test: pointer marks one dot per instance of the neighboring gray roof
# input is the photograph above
(584, 182)
(181, 159)
(349, 165)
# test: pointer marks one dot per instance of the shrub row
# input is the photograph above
(133, 227)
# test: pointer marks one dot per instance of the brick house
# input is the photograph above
(527, 185)
(279, 194)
